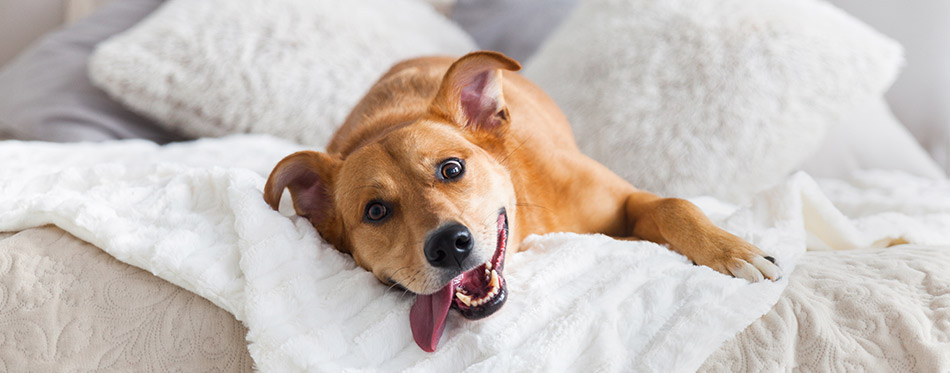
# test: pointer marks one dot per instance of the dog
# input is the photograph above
(444, 167)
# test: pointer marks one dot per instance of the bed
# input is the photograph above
(129, 255)
(69, 306)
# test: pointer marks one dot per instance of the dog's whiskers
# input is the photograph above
(413, 278)
(492, 217)
(394, 281)
(504, 160)
(525, 204)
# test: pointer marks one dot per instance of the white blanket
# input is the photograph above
(193, 214)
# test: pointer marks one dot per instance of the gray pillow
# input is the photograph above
(514, 27)
(45, 93)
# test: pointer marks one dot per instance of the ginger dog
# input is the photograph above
(446, 165)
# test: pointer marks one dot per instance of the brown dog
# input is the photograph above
(444, 160)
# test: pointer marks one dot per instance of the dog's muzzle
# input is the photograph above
(475, 293)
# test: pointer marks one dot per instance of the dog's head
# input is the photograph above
(427, 206)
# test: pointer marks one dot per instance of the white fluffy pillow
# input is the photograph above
(688, 97)
(870, 138)
(291, 68)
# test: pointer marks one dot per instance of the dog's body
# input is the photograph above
(446, 165)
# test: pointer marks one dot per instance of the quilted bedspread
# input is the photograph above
(67, 306)
(859, 310)
(873, 309)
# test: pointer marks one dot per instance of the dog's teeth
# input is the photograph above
(494, 279)
(464, 298)
(488, 266)
(494, 284)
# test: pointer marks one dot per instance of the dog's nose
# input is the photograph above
(449, 245)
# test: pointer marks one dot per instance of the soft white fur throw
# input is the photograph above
(193, 214)
(688, 97)
(292, 68)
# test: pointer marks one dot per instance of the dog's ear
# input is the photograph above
(309, 176)
(471, 93)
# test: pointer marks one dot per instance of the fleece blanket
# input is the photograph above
(193, 214)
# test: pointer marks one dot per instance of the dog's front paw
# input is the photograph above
(734, 256)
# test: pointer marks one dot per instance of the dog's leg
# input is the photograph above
(688, 231)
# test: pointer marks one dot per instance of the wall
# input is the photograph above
(23, 21)
(920, 97)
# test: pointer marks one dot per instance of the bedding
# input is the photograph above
(870, 138)
(45, 93)
(67, 306)
(723, 98)
(865, 137)
(885, 309)
(513, 27)
(920, 94)
(289, 68)
(192, 214)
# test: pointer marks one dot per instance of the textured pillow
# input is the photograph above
(290, 68)
(870, 138)
(45, 93)
(687, 97)
(920, 96)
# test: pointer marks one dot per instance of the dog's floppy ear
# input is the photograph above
(309, 176)
(471, 93)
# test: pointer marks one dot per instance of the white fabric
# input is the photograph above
(193, 214)
(881, 309)
(291, 68)
(870, 138)
(688, 97)
(858, 310)
(884, 309)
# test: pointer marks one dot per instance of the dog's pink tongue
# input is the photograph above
(427, 317)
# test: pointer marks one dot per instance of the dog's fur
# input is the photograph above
(519, 154)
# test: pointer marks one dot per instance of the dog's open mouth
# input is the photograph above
(481, 291)
(476, 293)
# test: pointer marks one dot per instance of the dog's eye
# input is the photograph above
(451, 168)
(375, 212)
